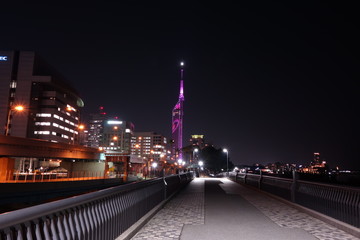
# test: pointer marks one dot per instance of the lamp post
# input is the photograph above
(193, 164)
(154, 165)
(195, 151)
(17, 108)
(227, 161)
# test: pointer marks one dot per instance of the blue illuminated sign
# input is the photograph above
(3, 58)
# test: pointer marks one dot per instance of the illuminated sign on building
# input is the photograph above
(112, 122)
(3, 58)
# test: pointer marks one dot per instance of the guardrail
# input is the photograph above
(339, 202)
(103, 214)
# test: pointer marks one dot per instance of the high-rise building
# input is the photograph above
(150, 145)
(197, 141)
(177, 121)
(116, 135)
(95, 129)
(50, 106)
(316, 160)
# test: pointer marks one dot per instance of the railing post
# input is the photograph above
(260, 178)
(165, 187)
(295, 176)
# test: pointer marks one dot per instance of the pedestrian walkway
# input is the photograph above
(217, 208)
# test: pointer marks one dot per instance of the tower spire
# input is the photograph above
(181, 96)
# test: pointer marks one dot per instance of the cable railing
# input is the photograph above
(103, 214)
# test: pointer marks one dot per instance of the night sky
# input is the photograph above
(271, 81)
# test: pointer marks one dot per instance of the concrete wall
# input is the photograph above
(6, 168)
(84, 169)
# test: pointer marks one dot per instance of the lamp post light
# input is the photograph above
(18, 108)
(154, 165)
(194, 168)
(180, 162)
(227, 161)
(195, 151)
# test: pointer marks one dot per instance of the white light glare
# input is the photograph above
(112, 122)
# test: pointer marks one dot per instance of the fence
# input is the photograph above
(339, 202)
(104, 214)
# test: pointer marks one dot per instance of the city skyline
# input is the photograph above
(272, 81)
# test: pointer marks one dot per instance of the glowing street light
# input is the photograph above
(195, 151)
(17, 108)
(227, 161)
(154, 165)
(180, 161)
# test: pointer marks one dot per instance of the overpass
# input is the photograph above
(26, 147)
(16, 150)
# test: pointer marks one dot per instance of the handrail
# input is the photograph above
(105, 213)
(328, 199)
(26, 214)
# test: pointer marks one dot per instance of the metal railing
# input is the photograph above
(339, 202)
(103, 214)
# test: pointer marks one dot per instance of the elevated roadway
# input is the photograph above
(26, 147)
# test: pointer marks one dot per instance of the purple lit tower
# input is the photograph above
(177, 120)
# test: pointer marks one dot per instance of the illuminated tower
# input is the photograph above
(177, 120)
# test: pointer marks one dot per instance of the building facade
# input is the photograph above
(94, 131)
(197, 141)
(50, 106)
(116, 135)
(149, 145)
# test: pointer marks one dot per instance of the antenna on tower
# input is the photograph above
(181, 80)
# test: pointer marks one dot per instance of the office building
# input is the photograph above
(149, 145)
(197, 141)
(94, 129)
(50, 107)
(117, 135)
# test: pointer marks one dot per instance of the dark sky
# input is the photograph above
(269, 80)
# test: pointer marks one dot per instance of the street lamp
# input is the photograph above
(227, 161)
(18, 108)
(154, 165)
(195, 151)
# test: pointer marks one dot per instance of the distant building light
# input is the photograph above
(3, 58)
(127, 130)
(112, 122)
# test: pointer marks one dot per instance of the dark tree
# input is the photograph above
(215, 159)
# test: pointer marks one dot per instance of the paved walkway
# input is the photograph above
(217, 208)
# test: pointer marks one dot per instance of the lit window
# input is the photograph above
(43, 114)
(42, 123)
(42, 132)
(13, 84)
